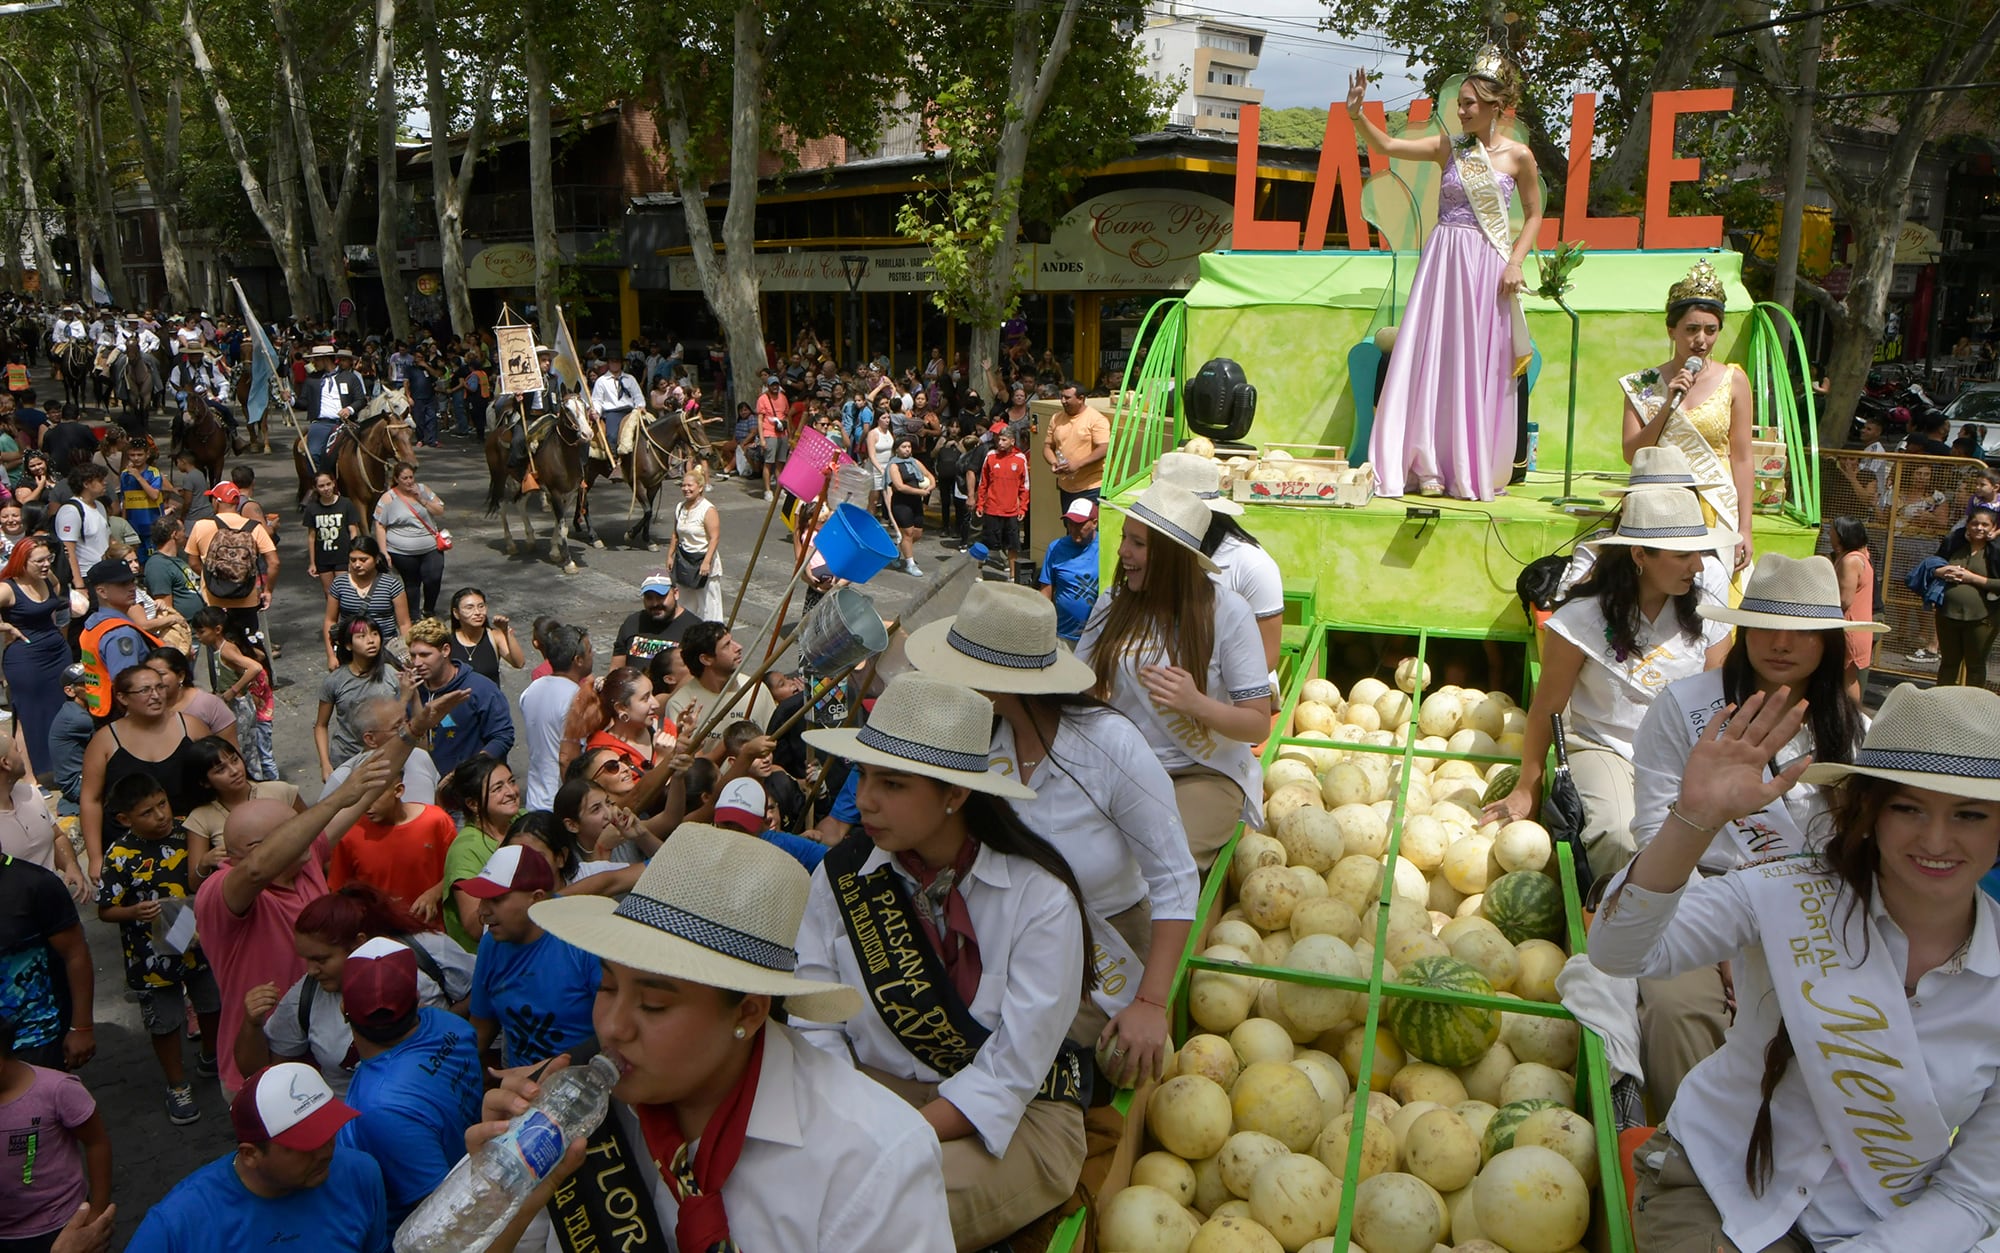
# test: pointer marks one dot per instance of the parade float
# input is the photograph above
(1372, 1053)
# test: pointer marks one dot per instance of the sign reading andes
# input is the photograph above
(1139, 238)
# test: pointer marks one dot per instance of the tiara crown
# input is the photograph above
(1702, 284)
(1489, 63)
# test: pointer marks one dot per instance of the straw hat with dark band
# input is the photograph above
(1198, 475)
(926, 726)
(1940, 738)
(1003, 639)
(714, 907)
(1176, 514)
(1667, 519)
(1662, 465)
(1790, 594)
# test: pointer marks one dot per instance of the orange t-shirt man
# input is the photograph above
(1078, 438)
(404, 858)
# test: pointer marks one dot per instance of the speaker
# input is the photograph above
(1219, 401)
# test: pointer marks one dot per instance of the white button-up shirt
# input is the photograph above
(1652, 935)
(1236, 672)
(832, 1162)
(1611, 696)
(1031, 983)
(615, 393)
(1107, 804)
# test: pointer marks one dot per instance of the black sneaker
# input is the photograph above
(205, 1067)
(181, 1109)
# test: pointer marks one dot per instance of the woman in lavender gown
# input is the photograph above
(1446, 418)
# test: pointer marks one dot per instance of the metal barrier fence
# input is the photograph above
(1909, 505)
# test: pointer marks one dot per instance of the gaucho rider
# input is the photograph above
(329, 397)
(196, 373)
(535, 405)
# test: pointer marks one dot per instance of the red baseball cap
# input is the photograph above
(227, 493)
(514, 868)
(288, 1104)
(378, 983)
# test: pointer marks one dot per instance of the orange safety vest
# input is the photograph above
(17, 377)
(97, 675)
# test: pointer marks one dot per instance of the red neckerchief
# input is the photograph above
(957, 944)
(702, 1225)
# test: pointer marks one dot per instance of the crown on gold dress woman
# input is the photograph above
(1702, 286)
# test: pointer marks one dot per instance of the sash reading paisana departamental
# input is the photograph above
(1841, 993)
(1489, 209)
(906, 980)
(607, 1205)
(1771, 831)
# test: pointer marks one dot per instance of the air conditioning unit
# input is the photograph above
(1954, 240)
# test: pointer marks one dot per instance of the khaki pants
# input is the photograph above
(990, 1197)
(1604, 781)
(1211, 803)
(1672, 1212)
(1135, 927)
(1681, 1021)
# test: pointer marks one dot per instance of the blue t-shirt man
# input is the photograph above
(1069, 569)
(540, 993)
(211, 1209)
(415, 1100)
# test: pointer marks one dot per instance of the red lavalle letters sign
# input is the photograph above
(1340, 172)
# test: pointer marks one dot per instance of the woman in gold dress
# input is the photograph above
(1712, 422)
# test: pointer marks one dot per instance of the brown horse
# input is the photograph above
(73, 361)
(557, 461)
(662, 449)
(202, 435)
(364, 461)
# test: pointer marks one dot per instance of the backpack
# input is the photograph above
(426, 964)
(229, 566)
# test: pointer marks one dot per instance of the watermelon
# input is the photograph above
(1505, 780)
(1447, 1035)
(1525, 905)
(1500, 1129)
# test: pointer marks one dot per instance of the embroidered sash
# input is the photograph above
(1841, 995)
(1647, 671)
(905, 978)
(608, 1202)
(1771, 831)
(1489, 209)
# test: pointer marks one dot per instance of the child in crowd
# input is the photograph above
(53, 1135)
(140, 489)
(1003, 500)
(144, 865)
(398, 846)
(532, 993)
(249, 692)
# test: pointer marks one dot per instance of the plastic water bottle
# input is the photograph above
(486, 1189)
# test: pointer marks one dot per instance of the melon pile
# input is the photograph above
(1470, 1139)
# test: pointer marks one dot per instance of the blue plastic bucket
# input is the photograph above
(854, 545)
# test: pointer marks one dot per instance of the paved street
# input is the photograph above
(151, 1154)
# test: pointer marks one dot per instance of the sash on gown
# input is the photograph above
(1771, 831)
(1842, 998)
(1489, 209)
(1648, 392)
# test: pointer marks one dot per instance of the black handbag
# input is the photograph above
(687, 569)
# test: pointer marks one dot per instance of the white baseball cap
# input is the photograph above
(288, 1104)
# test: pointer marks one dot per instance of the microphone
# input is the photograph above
(1693, 366)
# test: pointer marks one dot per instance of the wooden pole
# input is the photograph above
(743, 585)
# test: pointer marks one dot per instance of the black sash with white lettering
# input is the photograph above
(608, 1203)
(906, 980)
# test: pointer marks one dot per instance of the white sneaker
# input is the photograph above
(910, 568)
(769, 496)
